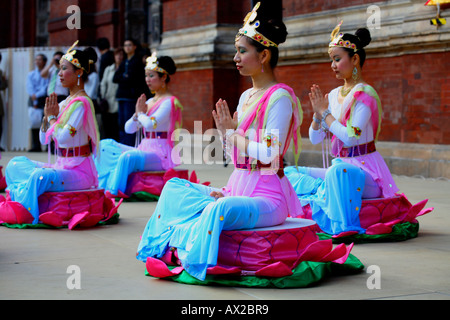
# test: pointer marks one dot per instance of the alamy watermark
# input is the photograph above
(190, 148)
(74, 20)
(374, 20)
(374, 280)
(74, 280)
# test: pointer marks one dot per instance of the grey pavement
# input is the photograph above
(34, 262)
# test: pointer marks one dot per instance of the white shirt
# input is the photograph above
(361, 120)
(91, 86)
(278, 122)
(161, 116)
(63, 136)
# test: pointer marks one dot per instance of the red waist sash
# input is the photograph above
(358, 150)
(82, 151)
(156, 135)
(244, 164)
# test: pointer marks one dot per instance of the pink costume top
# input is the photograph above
(158, 125)
(358, 124)
(74, 128)
(269, 124)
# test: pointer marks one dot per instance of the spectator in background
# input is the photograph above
(92, 83)
(106, 56)
(130, 76)
(3, 86)
(108, 90)
(37, 90)
(92, 87)
(50, 72)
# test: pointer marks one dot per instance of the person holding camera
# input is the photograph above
(51, 72)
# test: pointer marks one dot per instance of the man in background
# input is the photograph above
(37, 90)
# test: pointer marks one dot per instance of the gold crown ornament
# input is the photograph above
(250, 26)
(337, 41)
(69, 56)
(152, 64)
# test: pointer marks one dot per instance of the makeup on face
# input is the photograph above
(246, 57)
(340, 62)
(67, 74)
(153, 80)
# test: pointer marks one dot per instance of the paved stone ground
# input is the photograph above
(34, 262)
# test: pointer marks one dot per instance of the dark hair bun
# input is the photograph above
(280, 31)
(364, 37)
(91, 54)
(167, 64)
(273, 29)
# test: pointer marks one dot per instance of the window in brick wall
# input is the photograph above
(42, 13)
(154, 22)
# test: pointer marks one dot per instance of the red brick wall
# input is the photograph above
(194, 89)
(295, 7)
(181, 14)
(414, 89)
(232, 11)
(97, 20)
(414, 92)
(199, 90)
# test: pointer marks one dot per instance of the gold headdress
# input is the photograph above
(69, 56)
(337, 41)
(152, 64)
(250, 26)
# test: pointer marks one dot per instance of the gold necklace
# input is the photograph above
(247, 101)
(69, 98)
(156, 100)
(345, 92)
(73, 95)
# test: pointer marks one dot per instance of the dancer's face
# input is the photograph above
(247, 59)
(341, 63)
(68, 74)
(154, 81)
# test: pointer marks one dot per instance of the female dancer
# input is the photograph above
(158, 117)
(352, 114)
(73, 127)
(190, 217)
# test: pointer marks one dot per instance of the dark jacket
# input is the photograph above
(131, 79)
(106, 60)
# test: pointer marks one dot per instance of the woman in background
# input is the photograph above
(156, 118)
(351, 114)
(108, 90)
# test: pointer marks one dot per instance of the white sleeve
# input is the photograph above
(131, 126)
(42, 137)
(316, 136)
(160, 116)
(277, 128)
(65, 134)
(361, 117)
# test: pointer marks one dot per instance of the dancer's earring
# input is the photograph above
(78, 83)
(355, 75)
(262, 68)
